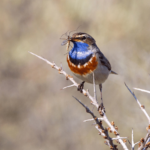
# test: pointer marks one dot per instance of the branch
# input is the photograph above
(142, 90)
(133, 144)
(99, 127)
(141, 106)
(144, 142)
(112, 127)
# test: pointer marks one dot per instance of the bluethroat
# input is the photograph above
(85, 58)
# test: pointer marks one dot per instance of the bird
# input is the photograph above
(85, 58)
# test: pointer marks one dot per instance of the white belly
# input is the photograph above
(101, 74)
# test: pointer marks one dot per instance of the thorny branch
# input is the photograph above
(102, 131)
(144, 143)
(112, 127)
(141, 106)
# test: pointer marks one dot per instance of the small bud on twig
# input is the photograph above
(108, 128)
(147, 128)
(112, 123)
(53, 65)
(147, 144)
(139, 144)
(67, 77)
(116, 128)
(84, 93)
(59, 70)
(124, 140)
(116, 133)
(105, 137)
(142, 140)
(111, 147)
(143, 106)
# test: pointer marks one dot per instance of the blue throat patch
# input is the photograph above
(80, 53)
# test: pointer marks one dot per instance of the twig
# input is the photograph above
(133, 144)
(99, 127)
(119, 138)
(68, 86)
(141, 106)
(92, 119)
(112, 128)
(143, 144)
(142, 90)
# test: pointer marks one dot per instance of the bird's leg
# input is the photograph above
(81, 86)
(101, 106)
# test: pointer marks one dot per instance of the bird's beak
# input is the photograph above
(71, 40)
(74, 40)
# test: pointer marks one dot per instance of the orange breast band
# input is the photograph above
(87, 68)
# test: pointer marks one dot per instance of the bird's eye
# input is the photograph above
(83, 38)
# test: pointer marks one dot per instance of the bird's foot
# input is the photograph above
(101, 108)
(81, 86)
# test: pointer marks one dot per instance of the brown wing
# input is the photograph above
(104, 60)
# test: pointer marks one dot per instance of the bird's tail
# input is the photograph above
(112, 72)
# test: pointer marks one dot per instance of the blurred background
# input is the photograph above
(35, 114)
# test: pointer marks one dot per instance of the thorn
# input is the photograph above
(88, 120)
(67, 87)
(136, 142)
(61, 67)
(117, 138)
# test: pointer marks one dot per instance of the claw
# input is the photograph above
(101, 107)
(81, 86)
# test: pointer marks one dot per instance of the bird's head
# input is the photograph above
(79, 38)
(83, 38)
